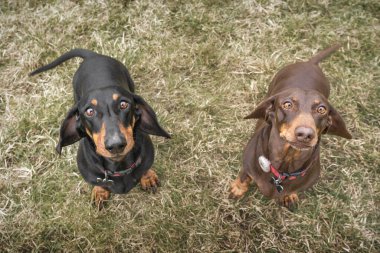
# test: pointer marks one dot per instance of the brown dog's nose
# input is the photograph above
(304, 134)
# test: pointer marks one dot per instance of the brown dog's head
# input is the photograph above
(109, 118)
(301, 116)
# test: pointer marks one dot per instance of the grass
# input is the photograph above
(203, 66)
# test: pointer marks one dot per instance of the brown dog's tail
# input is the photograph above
(82, 53)
(323, 54)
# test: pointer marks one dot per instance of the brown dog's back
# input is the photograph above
(304, 75)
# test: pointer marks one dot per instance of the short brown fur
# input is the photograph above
(303, 119)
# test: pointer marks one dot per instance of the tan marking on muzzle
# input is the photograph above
(287, 131)
(99, 139)
(88, 132)
(128, 134)
(94, 102)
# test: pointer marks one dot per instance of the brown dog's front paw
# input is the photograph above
(149, 181)
(99, 195)
(290, 201)
(239, 188)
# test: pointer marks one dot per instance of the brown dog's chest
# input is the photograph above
(283, 159)
(265, 184)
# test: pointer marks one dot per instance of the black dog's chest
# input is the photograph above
(93, 170)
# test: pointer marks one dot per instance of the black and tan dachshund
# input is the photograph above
(113, 125)
(282, 157)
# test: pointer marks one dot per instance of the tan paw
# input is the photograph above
(149, 181)
(99, 195)
(290, 201)
(239, 188)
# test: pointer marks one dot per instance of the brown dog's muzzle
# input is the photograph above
(301, 132)
(304, 134)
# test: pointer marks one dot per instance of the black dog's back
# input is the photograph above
(95, 72)
(98, 72)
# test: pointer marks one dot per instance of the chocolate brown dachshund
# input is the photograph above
(282, 157)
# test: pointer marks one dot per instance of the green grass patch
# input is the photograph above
(203, 66)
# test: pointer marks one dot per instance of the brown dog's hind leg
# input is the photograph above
(290, 201)
(149, 181)
(99, 195)
(240, 186)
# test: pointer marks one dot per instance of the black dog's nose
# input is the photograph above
(115, 145)
(304, 134)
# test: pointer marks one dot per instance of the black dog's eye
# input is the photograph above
(123, 105)
(287, 105)
(321, 110)
(90, 112)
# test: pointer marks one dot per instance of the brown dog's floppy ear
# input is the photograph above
(262, 110)
(336, 125)
(70, 130)
(147, 121)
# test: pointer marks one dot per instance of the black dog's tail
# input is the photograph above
(324, 53)
(83, 53)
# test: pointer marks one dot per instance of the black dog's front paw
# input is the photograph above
(149, 181)
(99, 196)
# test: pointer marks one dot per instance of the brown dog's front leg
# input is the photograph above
(240, 185)
(99, 195)
(290, 201)
(149, 181)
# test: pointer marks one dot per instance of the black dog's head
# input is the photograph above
(109, 118)
(301, 116)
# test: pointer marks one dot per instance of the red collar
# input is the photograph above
(278, 177)
(108, 173)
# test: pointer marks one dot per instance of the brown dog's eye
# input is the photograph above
(287, 105)
(321, 110)
(90, 112)
(123, 105)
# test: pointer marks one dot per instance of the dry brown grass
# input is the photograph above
(203, 65)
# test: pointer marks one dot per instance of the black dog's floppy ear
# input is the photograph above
(148, 121)
(262, 110)
(336, 125)
(69, 132)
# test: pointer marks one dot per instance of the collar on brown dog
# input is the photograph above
(278, 177)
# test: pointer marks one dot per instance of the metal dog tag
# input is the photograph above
(109, 182)
(277, 184)
(279, 188)
(105, 181)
